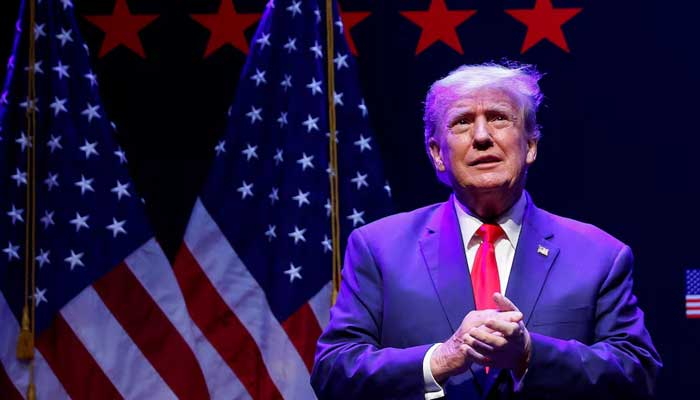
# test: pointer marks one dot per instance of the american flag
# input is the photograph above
(255, 265)
(692, 293)
(111, 319)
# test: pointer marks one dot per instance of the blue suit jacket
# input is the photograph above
(406, 286)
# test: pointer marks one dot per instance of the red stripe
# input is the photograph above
(222, 328)
(7, 388)
(303, 331)
(74, 367)
(693, 316)
(152, 332)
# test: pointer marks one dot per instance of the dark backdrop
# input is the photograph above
(620, 122)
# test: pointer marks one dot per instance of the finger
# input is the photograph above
(476, 356)
(510, 316)
(504, 303)
(480, 339)
(508, 329)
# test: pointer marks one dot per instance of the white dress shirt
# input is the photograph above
(511, 222)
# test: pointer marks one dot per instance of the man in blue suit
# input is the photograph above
(485, 295)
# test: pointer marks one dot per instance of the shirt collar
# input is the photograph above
(511, 221)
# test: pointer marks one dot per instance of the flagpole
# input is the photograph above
(333, 153)
(25, 342)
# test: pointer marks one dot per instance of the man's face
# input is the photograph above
(480, 143)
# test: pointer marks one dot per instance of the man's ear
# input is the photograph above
(435, 155)
(531, 151)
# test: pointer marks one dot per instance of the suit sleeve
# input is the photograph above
(621, 363)
(350, 362)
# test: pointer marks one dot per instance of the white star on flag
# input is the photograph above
(363, 108)
(121, 155)
(327, 244)
(274, 195)
(36, 67)
(293, 272)
(61, 70)
(40, 296)
(116, 227)
(317, 49)
(360, 180)
(24, 141)
(297, 234)
(58, 105)
(30, 104)
(80, 221)
(338, 98)
(327, 206)
(291, 45)
(250, 152)
(363, 143)
(282, 119)
(74, 259)
(66, 4)
(387, 188)
(305, 161)
(19, 177)
(16, 214)
(11, 251)
(89, 149)
(310, 123)
(270, 232)
(339, 24)
(51, 181)
(39, 30)
(356, 217)
(92, 78)
(47, 219)
(264, 40)
(295, 8)
(341, 61)
(85, 184)
(90, 112)
(254, 114)
(258, 77)
(64, 36)
(278, 157)
(220, 147)
(120, 190)
(54, 143)
(245, 190)
(43, 257)
(302, 197)
(315, 86)
(286, 82)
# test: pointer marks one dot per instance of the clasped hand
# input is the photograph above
(493, 338)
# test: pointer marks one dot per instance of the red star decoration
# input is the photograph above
(438, 23)
(226, 27)
(544, 22)
(121, 27)
(350, 19)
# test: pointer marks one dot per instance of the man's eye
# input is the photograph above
(498, 117)
(462, 121)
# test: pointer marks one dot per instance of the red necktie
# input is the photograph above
(485, 281)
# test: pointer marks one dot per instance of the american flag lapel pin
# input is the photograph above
(542, 250)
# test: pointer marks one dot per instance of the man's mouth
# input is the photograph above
(484, 160)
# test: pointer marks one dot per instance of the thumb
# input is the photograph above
(503, 303)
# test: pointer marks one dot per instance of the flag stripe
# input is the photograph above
(692, 312)
(150, 266)
(222, 328)
(152, 332)
(303, 330)
(113, 349)
(77, 370)
(7, 388)
(47, 384)
(247, 300)
(321, 305)
(692, 297)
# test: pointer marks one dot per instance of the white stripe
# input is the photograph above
(47, 385)
(692, 312)
(153, 270)
(321, 305)
(112, 348)
(247, 300)
(692, 296)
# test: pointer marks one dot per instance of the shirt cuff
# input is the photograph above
(517, 383)
(433, 390)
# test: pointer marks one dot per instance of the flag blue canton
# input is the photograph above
(692, 281)
(88, 215)
(269, 188)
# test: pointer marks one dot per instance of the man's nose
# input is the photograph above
(482, 134)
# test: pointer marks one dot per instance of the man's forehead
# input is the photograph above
(497, 98)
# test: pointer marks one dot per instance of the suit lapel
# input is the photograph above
(443, 251)
(534, 256)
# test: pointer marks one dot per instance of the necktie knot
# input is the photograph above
(489, 233)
